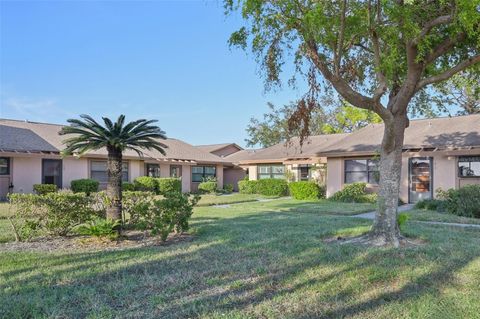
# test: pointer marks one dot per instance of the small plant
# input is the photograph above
(431, 204)
(169, 184)
(85, 185)
(402, 219)
(228, 188)
(306, 190)
(42, 189)
(99, 227)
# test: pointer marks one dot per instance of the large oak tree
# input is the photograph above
(377, 54)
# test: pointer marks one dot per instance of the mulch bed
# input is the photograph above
(129, 239)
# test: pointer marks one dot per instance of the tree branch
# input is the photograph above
(382, 81)
(430, 25)
(444, 47)
(343, 88)
(341, 38)
(449, 73)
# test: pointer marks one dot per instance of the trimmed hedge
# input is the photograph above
(272, 187)
(208, 187)
(169, 185)
(354, 193)
(42, 189)
(304, 190)
(146, 184)
(85, 185)
(247, 187)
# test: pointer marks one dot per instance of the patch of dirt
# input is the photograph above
(129, 239)
(365, 240)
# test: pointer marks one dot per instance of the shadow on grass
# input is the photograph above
(272, 262)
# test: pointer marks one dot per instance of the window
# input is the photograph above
(469, 166)
(98, 171)
(200, 173)
(175, 171)
(153, 170)
(4, 166)
(304, 172)
(271, 171)
(361, 170)
(52, 172)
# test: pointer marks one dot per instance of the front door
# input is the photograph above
(4, 177)
(420, 178)
(52, 172)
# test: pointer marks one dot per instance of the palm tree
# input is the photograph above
(116, 137)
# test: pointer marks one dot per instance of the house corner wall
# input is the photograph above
(334, 175)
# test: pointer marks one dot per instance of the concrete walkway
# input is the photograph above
(371, 215)
(403, 208)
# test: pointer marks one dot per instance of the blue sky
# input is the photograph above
(167, 60)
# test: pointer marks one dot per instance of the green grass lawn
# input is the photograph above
(429, 215)
(208, 200)
(255, 260)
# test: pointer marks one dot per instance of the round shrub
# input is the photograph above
(146, 184)
(272, 187)
(42, 189)
(207, 187)
(305, 190)
(169, 185)
(353, 193)
(85, 185)
(247, 187)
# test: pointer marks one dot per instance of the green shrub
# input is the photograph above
(464, 201)
(163, 216)
(133, 201)
(85, 185)
(305, 190)
(42, 189)
(402, 219)
(247, 187)
(430, 204)
(128, 187)
(99, 227)
(169, 185)
(272, 187)
(208, 187)
(228, 188)
(53, 213)
(354, 193)
(146, 184)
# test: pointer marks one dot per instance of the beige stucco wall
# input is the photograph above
(252, 172)
(135, 169)
(219, 171)
(334, 175)
(186, 178)
(232, 175)
(74, 168)
(26, 172)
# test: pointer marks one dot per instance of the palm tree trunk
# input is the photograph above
(114, 186)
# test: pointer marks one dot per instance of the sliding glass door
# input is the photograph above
(52, 172)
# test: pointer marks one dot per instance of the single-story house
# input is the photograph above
(290, 160)
(30, 154)
(232, 153)
(437, 153)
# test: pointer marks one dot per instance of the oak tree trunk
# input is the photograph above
(385, 229)
(114, 186)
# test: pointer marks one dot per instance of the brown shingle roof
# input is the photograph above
(241, 155)
(32, 136)
(312, 146)
(441, 133)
